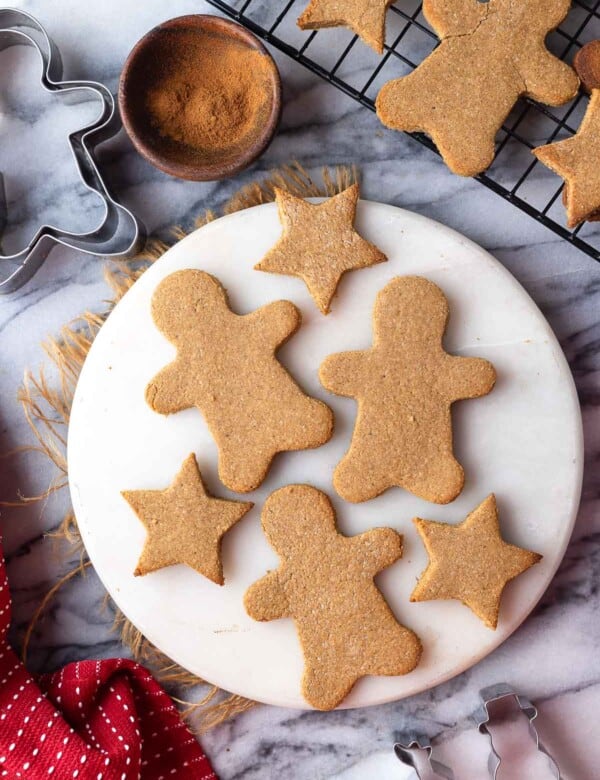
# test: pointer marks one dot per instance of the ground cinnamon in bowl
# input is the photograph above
(197, 100)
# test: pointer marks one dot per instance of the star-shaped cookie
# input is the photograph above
(184, 523)
(366, 18)
(470, 562)
(319, 243)
(577, 159)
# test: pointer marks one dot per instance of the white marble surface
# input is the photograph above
(553, 657)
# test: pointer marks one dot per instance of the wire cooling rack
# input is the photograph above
(345, 61)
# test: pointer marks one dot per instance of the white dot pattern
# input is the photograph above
(122, 721)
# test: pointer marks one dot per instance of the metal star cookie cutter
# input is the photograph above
(482, 718)
(407, 751)
(120, 232)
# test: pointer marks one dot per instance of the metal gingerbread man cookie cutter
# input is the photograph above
(120, 232)
(408, 750)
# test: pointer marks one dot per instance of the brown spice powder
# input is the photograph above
(209, 92)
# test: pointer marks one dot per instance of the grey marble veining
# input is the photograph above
(554, 657)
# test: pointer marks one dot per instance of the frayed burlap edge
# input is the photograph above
(47, 406)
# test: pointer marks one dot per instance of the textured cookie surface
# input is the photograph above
(184, 523)
(491, 53)
(577, 159)
(226, 367)
(471, 562)
(366, 18)
(325, 583)
(405, 385)
(319, 243)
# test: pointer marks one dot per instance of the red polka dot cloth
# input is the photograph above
(93, 720)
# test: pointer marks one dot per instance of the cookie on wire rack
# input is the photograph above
(491, 53)
(577, 159)
(366, 18)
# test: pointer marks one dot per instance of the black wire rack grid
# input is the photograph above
(340, 58)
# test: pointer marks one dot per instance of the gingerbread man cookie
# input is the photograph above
(405, 385)
(471, 562)
(319, 243)
(576, 159)
(366, 18)
(325, 583)
(491, 54)
(226, 367)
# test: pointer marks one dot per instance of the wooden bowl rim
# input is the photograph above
(210, 171)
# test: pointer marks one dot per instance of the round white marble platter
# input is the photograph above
(523, 442)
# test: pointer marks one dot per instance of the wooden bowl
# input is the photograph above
(142, 73)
